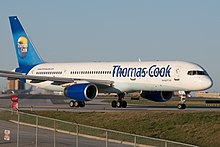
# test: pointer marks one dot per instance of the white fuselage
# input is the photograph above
(129, 76)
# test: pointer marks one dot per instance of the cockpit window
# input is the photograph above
(196, 72)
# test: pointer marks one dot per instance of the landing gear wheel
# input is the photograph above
(183, 96)
(181, 106)
(71, 103)
(123, 104)
(76, 104)
(114, 104)
(82, 104)
(119, 104)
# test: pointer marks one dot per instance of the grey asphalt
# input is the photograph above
(60, 103)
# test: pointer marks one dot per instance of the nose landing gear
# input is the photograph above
(182, 104)
(183, 96)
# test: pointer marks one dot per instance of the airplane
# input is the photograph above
(82, 81)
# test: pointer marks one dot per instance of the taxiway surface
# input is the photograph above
(60, 103)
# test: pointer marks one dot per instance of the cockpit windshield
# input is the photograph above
(196, 72)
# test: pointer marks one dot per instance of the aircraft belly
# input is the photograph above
(132, 87)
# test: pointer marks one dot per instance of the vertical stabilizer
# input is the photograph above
(26, 54)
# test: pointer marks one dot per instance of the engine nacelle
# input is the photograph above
(81, 92)
(157, 96)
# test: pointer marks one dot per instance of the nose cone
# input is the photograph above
(206, 83)
(209, 83)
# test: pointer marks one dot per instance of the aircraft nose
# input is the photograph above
(209, 82)
(206, 83)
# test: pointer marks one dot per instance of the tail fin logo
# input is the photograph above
(22, 46)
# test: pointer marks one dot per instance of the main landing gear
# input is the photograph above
(120, 103)
(77, 103)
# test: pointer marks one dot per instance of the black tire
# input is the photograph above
(181, 106)
(82, 104)
(184, 106)
(76, 104)
(114, 104)
(72, 104)
(123, 104)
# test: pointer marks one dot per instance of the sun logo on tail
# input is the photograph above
(22, 46)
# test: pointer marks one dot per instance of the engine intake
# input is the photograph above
(157, 96)
(81, 92)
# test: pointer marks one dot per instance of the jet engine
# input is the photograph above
(81, 92)
(157, 96)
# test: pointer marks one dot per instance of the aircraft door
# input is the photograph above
(177, 74)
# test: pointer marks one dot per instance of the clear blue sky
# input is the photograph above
(117, 30)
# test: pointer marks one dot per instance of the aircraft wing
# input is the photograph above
(56, 80)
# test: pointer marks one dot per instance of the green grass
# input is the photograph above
(199, 128)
